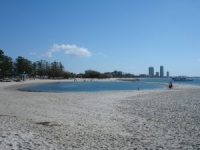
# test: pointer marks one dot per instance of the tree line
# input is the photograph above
(10, 68)
(22, 66)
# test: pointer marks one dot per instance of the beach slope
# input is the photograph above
(166, 119)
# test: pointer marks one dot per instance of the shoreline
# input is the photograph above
(19, 85)
(101, 120)
(16, 86)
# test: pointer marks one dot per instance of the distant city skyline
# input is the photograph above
(161, 74)
(105, 35)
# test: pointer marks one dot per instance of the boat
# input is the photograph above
(182, 79)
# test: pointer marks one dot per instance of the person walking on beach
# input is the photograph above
(170, 85)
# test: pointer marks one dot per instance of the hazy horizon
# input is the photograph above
(106, 35)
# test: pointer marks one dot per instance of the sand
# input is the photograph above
(165, 119)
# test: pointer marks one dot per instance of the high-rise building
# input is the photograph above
(151, 71)
(161, 71)
(168, 74)
(157, 74)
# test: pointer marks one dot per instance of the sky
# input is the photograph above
(105, 35)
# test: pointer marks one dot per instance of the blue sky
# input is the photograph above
(105, 35)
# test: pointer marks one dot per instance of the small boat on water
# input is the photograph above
(182, 79)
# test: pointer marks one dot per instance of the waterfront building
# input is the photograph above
(161, 71)
(157, 74)
(151, 71)
(168, 74)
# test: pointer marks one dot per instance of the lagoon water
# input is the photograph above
(143, 84)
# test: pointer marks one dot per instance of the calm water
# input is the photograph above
(196, 81)
(94, 86)
(143, 84)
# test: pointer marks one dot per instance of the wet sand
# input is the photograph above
(167, 119)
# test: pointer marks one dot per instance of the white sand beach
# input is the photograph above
(167, 119)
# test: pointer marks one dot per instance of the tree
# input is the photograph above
(41, 68)
(34, 69)
(23, 65)
(56, 69)
(67, 75)
(117, 74)
(92, 74)
(6, 65)
(1, 61)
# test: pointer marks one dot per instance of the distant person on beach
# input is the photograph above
(170, 85)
